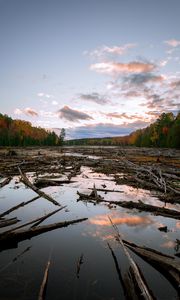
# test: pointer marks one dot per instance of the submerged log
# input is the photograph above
(156, 210)
(18, 206)
(37, 221)
(26, 181)
(11, 240)
(44, 282)
(79, 263)
(8, 222)
(165, 264)
(145, 292)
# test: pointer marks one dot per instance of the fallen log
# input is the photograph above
(145, 293)
(37, 221)
(8, 222)
(11, 240)
(93, 196)
(26, 181)
(5, 182)
(165, 264)
(156, 210)
(18, 206)
(44, 282)
(78, 266)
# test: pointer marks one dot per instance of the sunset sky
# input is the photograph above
(95, 67)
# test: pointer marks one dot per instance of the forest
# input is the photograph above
(164, 132)
(22, 133)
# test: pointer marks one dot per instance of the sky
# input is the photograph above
(96, 68)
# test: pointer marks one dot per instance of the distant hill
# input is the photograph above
(22, 133)
(164, 132)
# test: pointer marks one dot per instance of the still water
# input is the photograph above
(22, 268)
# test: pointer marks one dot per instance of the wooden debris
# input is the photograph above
(165, 264)
(93, 197)
(140, 282)
(8, 222)
(5, 182)
(156, 210)
(26, 181)
(37, 221)
(18, 206)
(163, 228)
(10, 239)
(44, 282)
(79, 263)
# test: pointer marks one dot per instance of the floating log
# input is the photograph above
(18, 206)
(156, 210)
(5, 182)
(8, 222)
(44, 282)
(37, 221)
(26, 181)
(11, 240)
(165, 264)
(139, 280)
(79, 263)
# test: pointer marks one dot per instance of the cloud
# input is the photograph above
(141, 79)
(115, 68)
(95, 97)
(175, 84)
(124, 116)
(103, 51)
(54, 102)
(104, 129)
(27, 111)
(31, 112)
(45, 95)
(73, 115)
(18, 111)
(173, 43)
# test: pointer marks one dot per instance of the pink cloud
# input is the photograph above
(173, 43)
(113, 68)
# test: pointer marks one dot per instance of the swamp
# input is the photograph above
(87, 223)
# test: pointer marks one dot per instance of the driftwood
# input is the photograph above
(11, 240)
(18, 206)
(44, 182)
(156, 210)
(5, 182)
(165, 264)
(15, 259)
(26, 181)
(94, 197)
(139, 280)
(79, 263)
(118, 271)
(107, 190)
(8, 222)
(37, 221)
(44, 282)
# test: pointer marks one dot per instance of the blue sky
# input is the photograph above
(96, 68)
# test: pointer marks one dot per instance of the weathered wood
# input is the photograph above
(26, 181)
(79, 263)
(44, 282)
(37, 221)
(156, 210)
(6, 239)
(5, 182)
(8, 222)
(18, 206)
(145, 292)
(165, 264)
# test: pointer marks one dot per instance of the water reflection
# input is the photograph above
(124, 218)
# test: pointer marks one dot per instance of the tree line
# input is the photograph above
(22, 133)
(164, 132)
